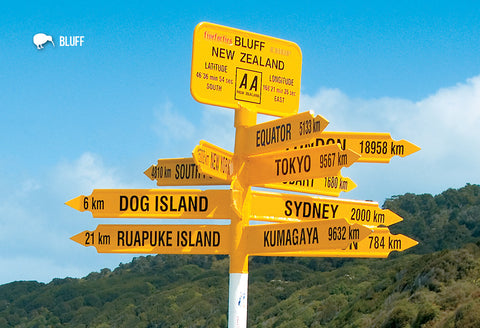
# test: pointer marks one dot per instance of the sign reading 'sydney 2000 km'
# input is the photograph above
(231, 66)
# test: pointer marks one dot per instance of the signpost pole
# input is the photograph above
(238, 284)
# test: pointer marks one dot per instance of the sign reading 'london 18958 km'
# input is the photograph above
(231, 66)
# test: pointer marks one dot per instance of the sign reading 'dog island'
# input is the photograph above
(231, 67)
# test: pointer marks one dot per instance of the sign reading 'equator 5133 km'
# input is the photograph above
(284, 132)
(231, 66)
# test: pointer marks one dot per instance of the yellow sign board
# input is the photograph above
(292, 165)
(270, 206)
(156, 203)
(373, 147)
(180, 172)
(327, 186)
(379, 244)
(214, 161)
(231, 66)
(157, 239)
(283, 132)
(303, 236)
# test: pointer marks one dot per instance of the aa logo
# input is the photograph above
(248, 85)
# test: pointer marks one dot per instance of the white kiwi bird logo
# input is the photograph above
(40, 39)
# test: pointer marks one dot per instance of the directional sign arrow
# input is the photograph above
(379, 244)
(214, 161)
(327, 186)
(270, 206)
(157, 239)
(303, 236)
(156, 203)
(292, 165)
(372, 147)
(180, 172)
(284, 132)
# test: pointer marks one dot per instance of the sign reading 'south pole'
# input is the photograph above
(180, 172)
(156, 203)
(157, 239)
(231, 66)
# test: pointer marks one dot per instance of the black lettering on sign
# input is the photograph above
(292, 165)
(134, 203)
(290, 237)
(273, 135)
(223, 53)
(186, 171)
(248, 85)
(330, 141)
(181, 203)
(313, 210)
(240, 41)
(144, 238)
(198, 238)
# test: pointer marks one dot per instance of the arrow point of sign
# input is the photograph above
(352, 157)
(407, 242)
(394, 217)
(409, 147)
(76, 203)
(351, 185)
(364, 231)
(148, 172)
(80, 238)
(323, 122)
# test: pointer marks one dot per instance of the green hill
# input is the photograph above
(435, 284)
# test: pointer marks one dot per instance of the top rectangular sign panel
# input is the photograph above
(232, 67)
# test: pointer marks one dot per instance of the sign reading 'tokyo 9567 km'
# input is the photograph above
(231, 67)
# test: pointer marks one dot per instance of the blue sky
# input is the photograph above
(78, 118)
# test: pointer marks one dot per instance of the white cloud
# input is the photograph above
(85, 174)
(36, 225)
(171, 125)
(178, 132)
(217, 126)
(444, 124)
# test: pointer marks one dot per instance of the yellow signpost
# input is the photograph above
(231, 66)
(155, 203)
(253, 73)
(270, 206)
(284, 132)
(373, 147)
(379, 244)
(296, 164)
(303, 236)
(327, 186)
(180, 172)
(157, 239)
(214, 161)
